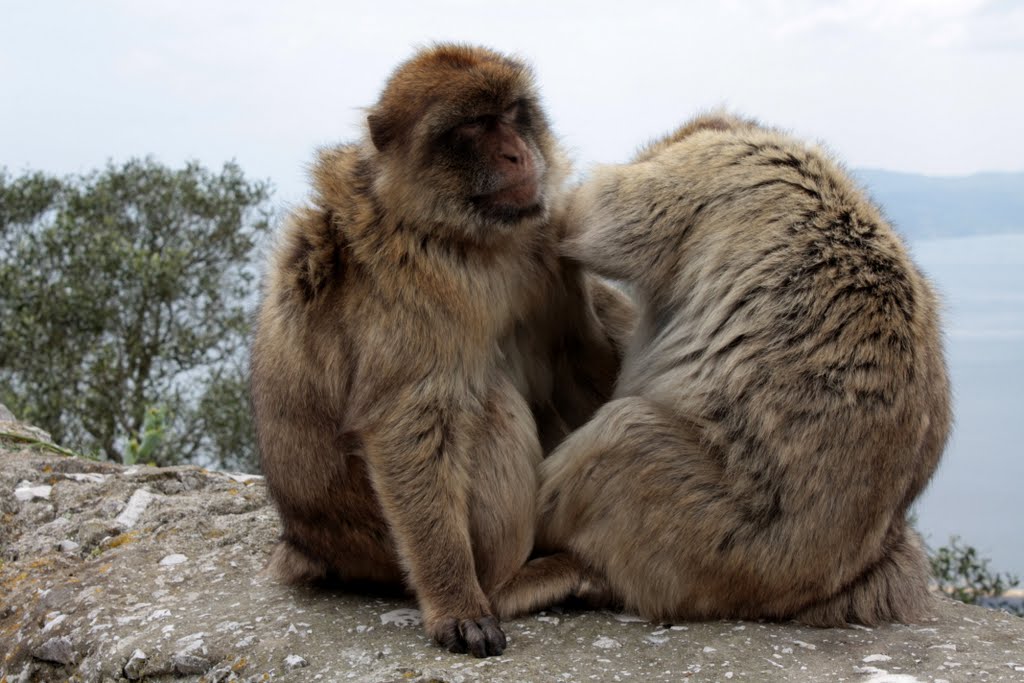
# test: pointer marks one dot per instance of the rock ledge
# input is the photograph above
(111, 573)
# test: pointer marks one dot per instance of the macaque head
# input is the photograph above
(463, 142)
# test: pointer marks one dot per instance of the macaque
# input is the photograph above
(783, 401)
(421, 344)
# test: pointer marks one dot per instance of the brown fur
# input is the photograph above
(784, 400)
(416, 321)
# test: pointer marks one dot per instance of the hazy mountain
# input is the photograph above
(925, 206)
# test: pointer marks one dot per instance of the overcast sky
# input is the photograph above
(926, 86)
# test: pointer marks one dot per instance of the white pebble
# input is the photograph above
(136, 505)
(292, 662)
(606, 643)
(87, 477)
(628, 618)
(402, 617)
(54, 619)
(26, 492)
(244, 478)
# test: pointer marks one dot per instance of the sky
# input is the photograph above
(923, 86)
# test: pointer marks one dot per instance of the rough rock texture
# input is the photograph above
(111, 573)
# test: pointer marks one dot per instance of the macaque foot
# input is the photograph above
(481, 637)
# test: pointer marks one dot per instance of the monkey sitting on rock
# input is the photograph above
(782, 403)
(420, 343)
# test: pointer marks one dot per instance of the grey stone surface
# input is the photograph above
(10, 424)
(179, 594)
(55, 650)
(135, 667)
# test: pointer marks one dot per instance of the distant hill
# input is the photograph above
(922, 207)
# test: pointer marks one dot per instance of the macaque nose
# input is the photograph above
(510, 148)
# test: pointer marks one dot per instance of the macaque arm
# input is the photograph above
(417, 466)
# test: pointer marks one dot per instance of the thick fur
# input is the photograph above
(410, 335)
(783, 402)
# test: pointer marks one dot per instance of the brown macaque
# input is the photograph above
(783, 402)
(420, 344)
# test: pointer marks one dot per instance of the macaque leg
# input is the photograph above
(619, 499)
(333, 526)
(547, 581)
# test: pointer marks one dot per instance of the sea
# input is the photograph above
(978, 491)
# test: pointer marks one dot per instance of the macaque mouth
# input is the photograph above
(522, 195)
(505, 211)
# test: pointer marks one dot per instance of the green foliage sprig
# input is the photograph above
(964, 575)
(153, 430)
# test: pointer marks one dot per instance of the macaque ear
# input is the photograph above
(383, 130)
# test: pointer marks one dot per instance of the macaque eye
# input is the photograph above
(473, 126)
(521, 112)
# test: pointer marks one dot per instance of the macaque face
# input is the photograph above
(497, 162)
(470, 134)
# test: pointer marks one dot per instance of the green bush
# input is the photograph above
(129, 288)
(964, 575)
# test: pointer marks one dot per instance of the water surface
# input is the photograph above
(978, 492)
